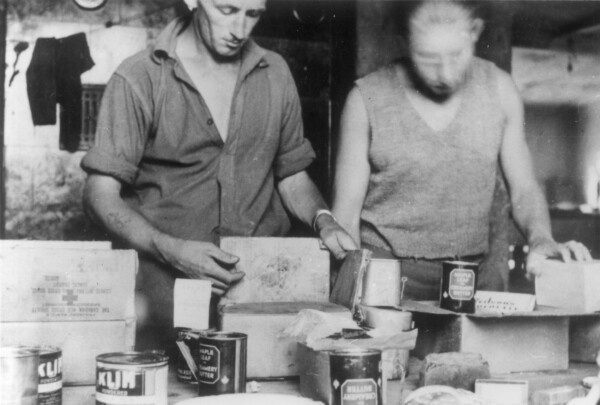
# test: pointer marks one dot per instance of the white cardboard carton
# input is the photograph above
(53, 244)
(516, 342)
(270, 355)
(278, 269)
(56, 284)
(574, 286)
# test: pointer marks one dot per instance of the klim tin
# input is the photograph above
(355, 376)
(131, 378)
(50, 374)
(19, 371)
(222, 363)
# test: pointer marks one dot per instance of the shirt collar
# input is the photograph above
(252, 54)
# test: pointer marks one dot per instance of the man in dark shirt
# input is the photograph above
(201, 137)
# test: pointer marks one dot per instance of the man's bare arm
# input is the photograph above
(198, 260)
(302, 198)
(529, 206)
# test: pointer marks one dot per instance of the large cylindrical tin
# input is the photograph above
(126, 378)
(187, 342)
(382, 283)
(50, 374)
(355, 376)
(19, 371)
(458, 286)
(221, 363)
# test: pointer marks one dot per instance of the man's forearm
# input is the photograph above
(530, 211)
(106, 208)
(301, 197)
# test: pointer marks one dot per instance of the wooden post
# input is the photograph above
(3, 7)
(495, 46)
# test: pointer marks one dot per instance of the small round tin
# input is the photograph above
(19, 371)
(355, 376)
(222, 363)
(382, 283)
(458, 286)
(131, 378)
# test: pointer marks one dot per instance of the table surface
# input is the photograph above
(395, 390)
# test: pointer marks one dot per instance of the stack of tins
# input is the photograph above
(216, 361)
(31, 375)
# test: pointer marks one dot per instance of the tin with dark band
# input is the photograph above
(50, 373)
(355, 376)
(458, 286)
(131, 378)
(222, 363)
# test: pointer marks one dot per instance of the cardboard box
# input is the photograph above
(80, 342)
(584, 338)
(516, 342)
(268, 354)
(574, 286)
(53, 244)
(314, 373)
(279, 269)
(55, 284)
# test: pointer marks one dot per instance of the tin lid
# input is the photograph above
(358, 351)
(133, 358)
(17, 351)
(226, 335)
(43, 349)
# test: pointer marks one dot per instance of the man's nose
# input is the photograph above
(238, 28)
(445, 72)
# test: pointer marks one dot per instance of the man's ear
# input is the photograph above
(477, 28)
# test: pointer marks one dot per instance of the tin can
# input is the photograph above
(355, 376)
(50, 376)
(458, 286)
(131, 378)
(187, 342)
(382, 283)
(19, 371)
(222, 363)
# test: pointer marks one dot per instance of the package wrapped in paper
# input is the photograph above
(315, 329)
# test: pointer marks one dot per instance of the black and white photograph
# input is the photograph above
(296, 202)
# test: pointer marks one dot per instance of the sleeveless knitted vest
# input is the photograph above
(430, 192)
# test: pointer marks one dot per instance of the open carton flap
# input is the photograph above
(432, 307)
(347, 288)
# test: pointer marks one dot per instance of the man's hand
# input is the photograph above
(548, 248)
(335, 238)
(201, 260)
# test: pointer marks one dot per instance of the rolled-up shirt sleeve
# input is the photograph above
(121, 132)
(295, 152)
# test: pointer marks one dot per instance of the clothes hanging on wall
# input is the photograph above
(54, 76)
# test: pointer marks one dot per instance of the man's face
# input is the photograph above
(225, 25)
(441, 56)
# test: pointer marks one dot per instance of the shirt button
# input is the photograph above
(210, 121)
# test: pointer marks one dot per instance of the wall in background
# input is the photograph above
(44, 183)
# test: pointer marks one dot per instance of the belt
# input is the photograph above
(477, 258)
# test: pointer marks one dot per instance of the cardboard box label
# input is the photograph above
(51, 285)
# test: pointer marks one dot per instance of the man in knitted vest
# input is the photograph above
(420, 143)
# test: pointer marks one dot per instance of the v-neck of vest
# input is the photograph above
(403, 83)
